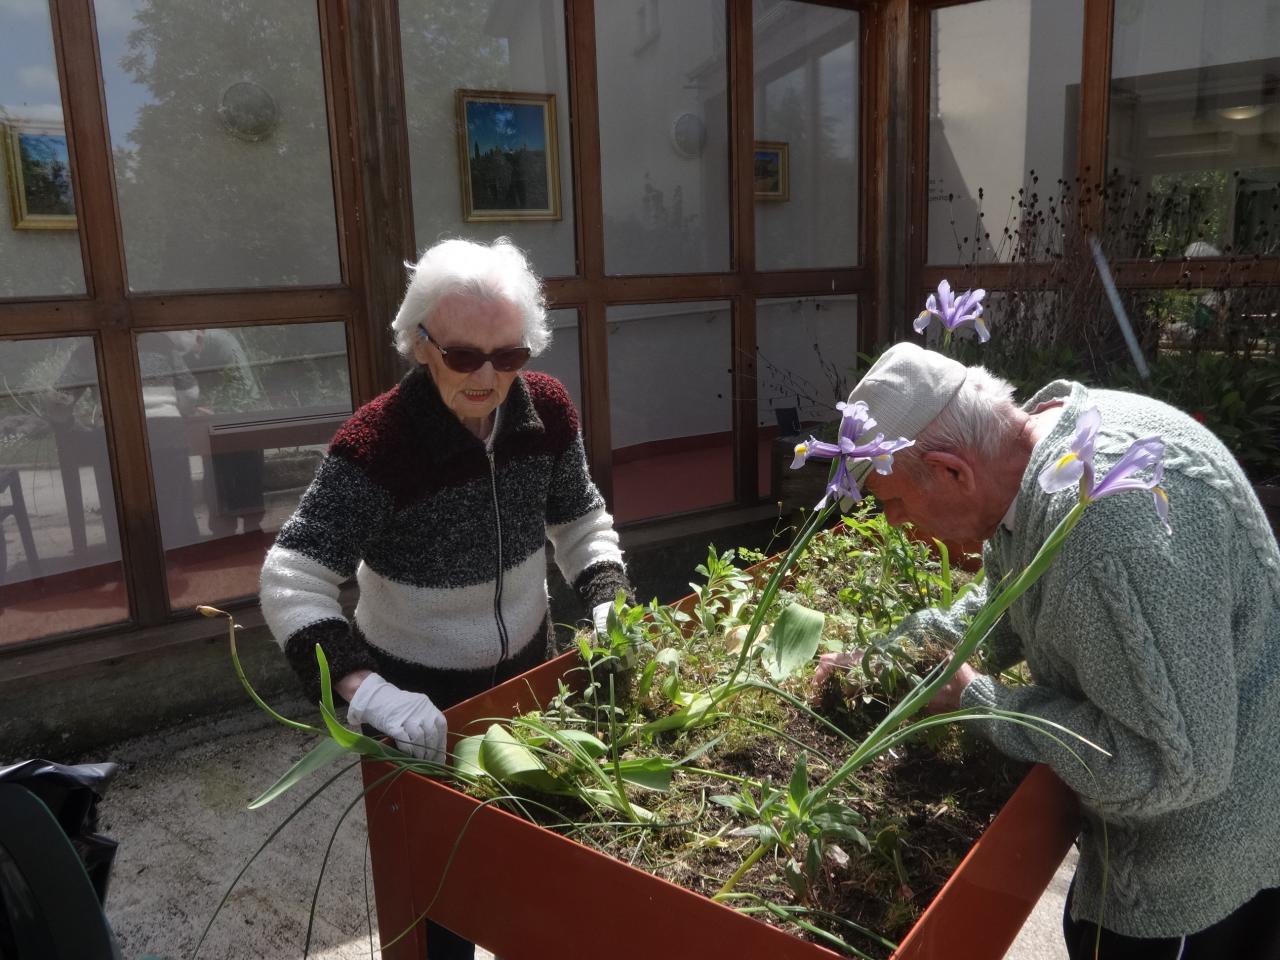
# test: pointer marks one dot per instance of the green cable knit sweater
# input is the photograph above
(1165, 651)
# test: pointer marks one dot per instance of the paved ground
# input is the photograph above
(177, 809)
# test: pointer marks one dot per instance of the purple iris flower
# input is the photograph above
(1075, 468)
(954, 311)
(855, 421)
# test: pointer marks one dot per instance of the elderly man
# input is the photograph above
(1163, 649)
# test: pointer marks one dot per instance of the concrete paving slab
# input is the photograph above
(178, 811)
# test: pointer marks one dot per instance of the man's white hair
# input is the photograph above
(493, 272)
(981, 418)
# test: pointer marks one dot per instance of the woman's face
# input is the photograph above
(463, 321)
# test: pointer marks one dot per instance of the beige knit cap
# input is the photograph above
(905, 389)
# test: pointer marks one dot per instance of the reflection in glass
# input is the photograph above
(1004, 101)
(1194, 145)
(220, 138)
(60, 566)
(806, 74)
(481, 45)
(664, 136)
(670, 407)
(561, 359)
(237, 421)
(39, 246)
(807, 352)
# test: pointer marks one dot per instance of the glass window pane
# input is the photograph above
(1004, 102)
(39, 242)
(664, 147)
(238, 419)
(561, 359)
(1194, 145)
(490, 45)
(220, 137)
(806, 71)
(670, 407)
(60, 566)
(807, 352)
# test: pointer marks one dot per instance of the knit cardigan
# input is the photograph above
(446, 539)
(1162, 649)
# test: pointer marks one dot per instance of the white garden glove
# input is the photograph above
(600, 617)
(411, 719)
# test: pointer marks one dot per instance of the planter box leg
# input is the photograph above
(392, 870)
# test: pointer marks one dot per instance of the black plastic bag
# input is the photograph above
(72, 793)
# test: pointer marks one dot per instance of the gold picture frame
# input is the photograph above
(38, 170)
(508, 155)
(772, 170)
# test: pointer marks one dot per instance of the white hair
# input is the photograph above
(492, 272)
(981, 419)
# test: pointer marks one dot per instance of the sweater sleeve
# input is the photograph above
(317, 550)
(581, 530)
(1146, 679)
(947, 626)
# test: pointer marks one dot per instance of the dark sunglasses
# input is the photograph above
(469, 359)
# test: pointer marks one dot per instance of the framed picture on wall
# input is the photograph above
(38, 169)
(508, 156)
(772, 171)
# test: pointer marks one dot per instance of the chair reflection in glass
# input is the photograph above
(228, 387)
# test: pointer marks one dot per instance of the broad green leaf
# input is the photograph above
(593, 746)
(508, 760)
(795, 879)
(604, 798)
(340, 733)
(326, 682)
(761, 832)
(652, 773)
(792, 642)
(646, 679)
(690, 715)
(668, 657)
(733, 803)
(799, 784)
(356, 742)
(323, 754)
(466, 755)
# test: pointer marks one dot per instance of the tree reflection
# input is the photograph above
(203, 208)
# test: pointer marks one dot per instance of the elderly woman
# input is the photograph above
(439, 496)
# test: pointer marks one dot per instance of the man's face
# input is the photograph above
(461, 321)
(938, 507)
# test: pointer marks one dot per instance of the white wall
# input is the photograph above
(1000, 78)
(664, 213)
(669, 371)
(806, 95)
(511, 45)
(1155, 36)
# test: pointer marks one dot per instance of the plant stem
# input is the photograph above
(746, 865)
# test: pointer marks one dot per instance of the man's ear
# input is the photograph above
(951, 469)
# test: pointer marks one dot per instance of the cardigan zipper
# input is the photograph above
(497, 589)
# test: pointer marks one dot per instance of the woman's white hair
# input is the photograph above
(981, 418)
(492, 272)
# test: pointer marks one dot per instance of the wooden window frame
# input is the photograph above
(1093, 125)
(112, 315)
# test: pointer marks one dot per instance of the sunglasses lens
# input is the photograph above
(463, 360)
(509, 360)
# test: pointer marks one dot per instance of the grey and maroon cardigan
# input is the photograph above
(446, 538)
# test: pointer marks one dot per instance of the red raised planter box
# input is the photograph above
(527, 893)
